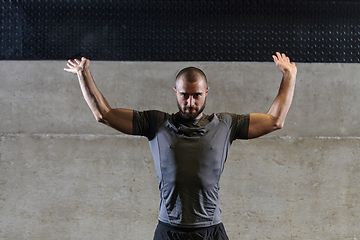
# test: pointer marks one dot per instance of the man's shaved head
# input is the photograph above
(191, 74)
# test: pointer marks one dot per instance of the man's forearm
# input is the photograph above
(282, 102)
(93, 97)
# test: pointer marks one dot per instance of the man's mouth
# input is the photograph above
(192, 110)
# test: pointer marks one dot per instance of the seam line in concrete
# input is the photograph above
(315, 137)
(100, 136)
(74, 136)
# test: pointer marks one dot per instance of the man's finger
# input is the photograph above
(71, 63)
(274, 57)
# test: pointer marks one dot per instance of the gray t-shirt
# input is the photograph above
(189, 158)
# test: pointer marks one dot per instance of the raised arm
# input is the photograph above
(261, 124)
(118, 118)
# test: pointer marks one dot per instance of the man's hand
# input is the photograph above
(283, 63)
(76, 66)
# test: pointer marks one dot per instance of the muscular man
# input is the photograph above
(189, 148)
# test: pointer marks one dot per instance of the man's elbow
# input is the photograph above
(103, 117)
(279, 125)
(100, 118)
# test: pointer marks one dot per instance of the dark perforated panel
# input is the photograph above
(180, 30)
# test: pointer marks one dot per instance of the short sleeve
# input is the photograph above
(141, 123)
(241, 126)
(145, 122)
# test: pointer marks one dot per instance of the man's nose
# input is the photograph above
(191, 101)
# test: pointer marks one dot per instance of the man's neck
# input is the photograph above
(189, 118)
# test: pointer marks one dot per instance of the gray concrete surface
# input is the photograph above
(65, 176)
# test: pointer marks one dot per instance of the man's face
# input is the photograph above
(191, 97)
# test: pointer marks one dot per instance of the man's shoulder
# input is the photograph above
(231, 117)
(225, 115)
(152, 113)
(228, 114)
(144, 122)
(153, 116)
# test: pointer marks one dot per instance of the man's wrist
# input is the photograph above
(290, 71)
(81, 71)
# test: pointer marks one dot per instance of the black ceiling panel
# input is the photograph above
(180, 30)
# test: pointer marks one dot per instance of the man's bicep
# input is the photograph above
(261, 124)
(120, 119)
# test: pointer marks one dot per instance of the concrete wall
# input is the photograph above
(65, 176)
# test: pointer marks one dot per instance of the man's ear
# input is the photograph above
(207, 90)
(175, 90)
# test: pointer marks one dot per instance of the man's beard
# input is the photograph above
(193, 115)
